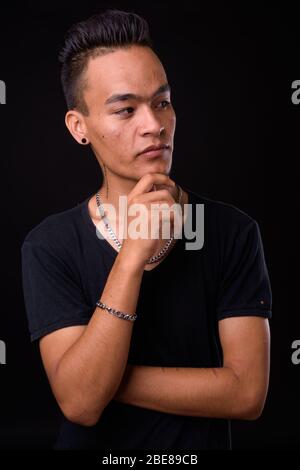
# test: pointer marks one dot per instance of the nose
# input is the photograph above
(150, 124)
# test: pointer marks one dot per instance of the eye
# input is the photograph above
(123, 112)
(166, 103)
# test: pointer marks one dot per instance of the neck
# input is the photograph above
(110, 193)
(113, 199)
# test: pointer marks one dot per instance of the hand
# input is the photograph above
(143, 194)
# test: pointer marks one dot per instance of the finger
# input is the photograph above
(162, 186)
(145, 184)
(161, 195)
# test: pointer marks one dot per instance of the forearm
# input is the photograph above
(206, 392)
(90, 371)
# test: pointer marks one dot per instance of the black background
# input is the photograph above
(231, 70)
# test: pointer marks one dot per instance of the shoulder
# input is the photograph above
(58, 230)
(222, 216)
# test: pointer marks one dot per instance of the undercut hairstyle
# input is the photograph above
(98, 35)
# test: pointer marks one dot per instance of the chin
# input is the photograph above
(156, 163)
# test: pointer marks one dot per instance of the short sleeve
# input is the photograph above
(245, 285)
(52, 293)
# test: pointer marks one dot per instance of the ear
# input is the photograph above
(74, 121)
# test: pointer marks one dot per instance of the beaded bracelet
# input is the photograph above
(117, 313)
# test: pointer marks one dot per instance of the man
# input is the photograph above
(197, 352)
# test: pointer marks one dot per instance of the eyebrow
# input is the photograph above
(131, 96)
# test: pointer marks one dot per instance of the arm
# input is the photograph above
(236, 390)
(85, 364)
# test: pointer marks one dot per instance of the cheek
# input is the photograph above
(116, 134)
(115, 141)
(170, 116)
(172, 122)
(109, 136)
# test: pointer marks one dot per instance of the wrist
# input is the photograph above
(130, 262)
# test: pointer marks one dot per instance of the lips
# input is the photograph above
(154, 148)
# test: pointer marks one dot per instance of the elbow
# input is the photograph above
(251, 407)
(79, 404)
(86, 420)
(249, 399)
(82, 418)
(78, 414)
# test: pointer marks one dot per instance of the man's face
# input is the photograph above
(120, 128)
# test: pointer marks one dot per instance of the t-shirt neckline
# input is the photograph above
(102, 242)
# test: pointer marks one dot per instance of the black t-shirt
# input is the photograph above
(65, 267)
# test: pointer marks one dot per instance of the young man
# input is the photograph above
(197, 352)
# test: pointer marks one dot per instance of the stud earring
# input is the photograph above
(83, 140)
